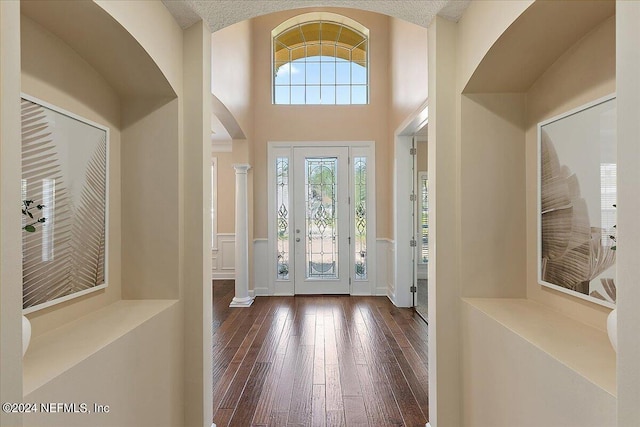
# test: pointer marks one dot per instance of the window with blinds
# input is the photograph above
(424, 217)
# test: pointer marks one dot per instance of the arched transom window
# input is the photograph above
(320, 59)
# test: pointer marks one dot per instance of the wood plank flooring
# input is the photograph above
(317, 361)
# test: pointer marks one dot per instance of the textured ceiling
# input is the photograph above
(222, 13)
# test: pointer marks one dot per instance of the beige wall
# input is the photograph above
(496, 148)
(233, 84)
(139, 105)
(151, 24)
(557, 91)
(231, 72)
(481, 25)
(492, 196)
(196, 294)
(150, 178)
(407, 70)
(226, 193)
(182, 126)
(408, 85)
(322, 123)
(10, 232)
(443, 171)
(510, 381)
(55, 73)
(134, 375)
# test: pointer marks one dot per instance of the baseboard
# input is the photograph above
(392, 298)
(252, 293)
(223, 276)
(261, 291)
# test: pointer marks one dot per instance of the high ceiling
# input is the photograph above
(219, 14)
(222, 13)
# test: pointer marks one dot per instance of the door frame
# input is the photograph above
(405, 271)
(277, 149)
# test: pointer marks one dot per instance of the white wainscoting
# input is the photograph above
(223, 258)
(263, 271)
(261, 267)
(386, 268)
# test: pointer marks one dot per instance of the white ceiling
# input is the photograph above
(222, 13)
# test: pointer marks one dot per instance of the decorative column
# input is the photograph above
(242, 298)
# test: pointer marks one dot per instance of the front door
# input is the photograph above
(321, 212)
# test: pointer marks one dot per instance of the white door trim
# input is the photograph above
(277, 149)
(405, 268)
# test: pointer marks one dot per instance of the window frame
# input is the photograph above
(333, 18)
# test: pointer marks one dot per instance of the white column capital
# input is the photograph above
(241, 167)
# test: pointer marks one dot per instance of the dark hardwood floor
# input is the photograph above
(317, 361)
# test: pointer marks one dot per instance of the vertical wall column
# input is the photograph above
(242, 298)
(445, 390)
(628, 270)
(196, 225)
(10, 218)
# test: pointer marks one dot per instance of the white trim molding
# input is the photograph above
(384, 265)
(223, 257)
(403, 228)
(261, 267)
(266, 283)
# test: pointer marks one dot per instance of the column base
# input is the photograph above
(241, 302)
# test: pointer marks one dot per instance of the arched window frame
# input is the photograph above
(347, 84)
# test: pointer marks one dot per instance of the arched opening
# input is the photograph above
(396, 60)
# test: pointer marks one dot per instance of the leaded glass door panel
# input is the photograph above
(321, 235)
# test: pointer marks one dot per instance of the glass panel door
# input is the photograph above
(322, 220)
